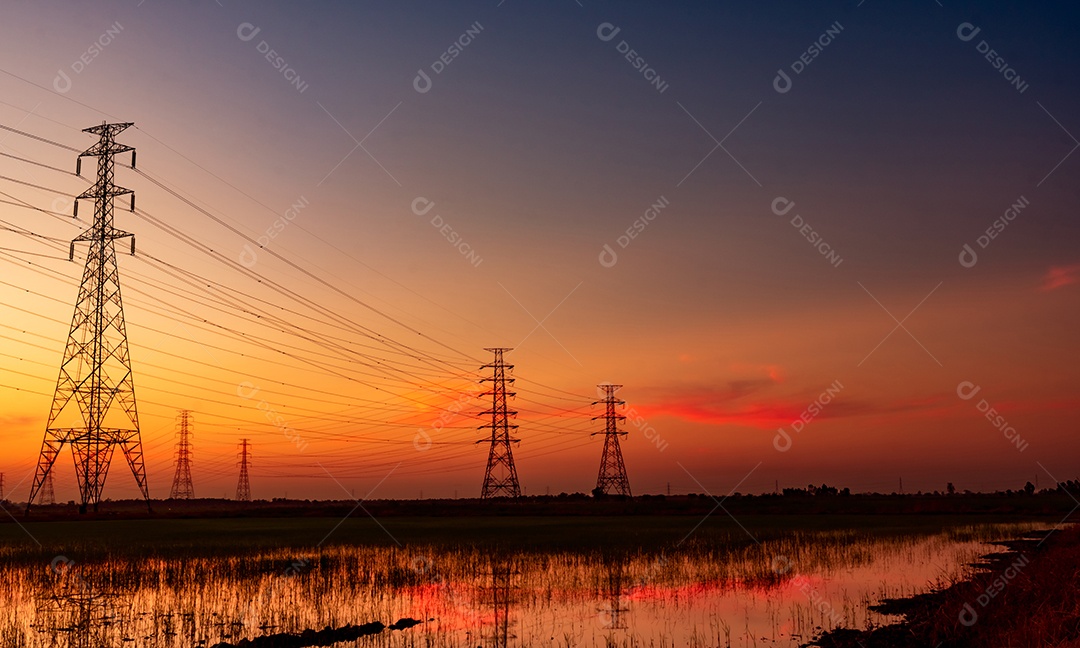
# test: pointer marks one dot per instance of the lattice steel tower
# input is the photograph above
(93, 409)
(48, 492)
(612, 477)
(500, 478)
(243, 487)
(182, 487)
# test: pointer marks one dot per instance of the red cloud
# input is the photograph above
(741, 404)
(761, 415)
(1060, 276)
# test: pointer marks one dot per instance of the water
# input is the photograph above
(778, 593)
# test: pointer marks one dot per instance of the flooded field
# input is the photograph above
(779, 592)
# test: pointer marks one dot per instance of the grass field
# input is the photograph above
(198, 581)
(540, 533)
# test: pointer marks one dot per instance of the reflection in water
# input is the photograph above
(779, 593)
(502, 594)
(71, 610)
(612, 610)
(81, 617)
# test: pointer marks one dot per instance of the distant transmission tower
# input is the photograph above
(1, 486)
(243, 487)
(48, 493)
(500, 478)
(93, 409)
(612, 477)
(181, 486)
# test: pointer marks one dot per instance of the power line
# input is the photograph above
(338, 346)
(308, 273)
(39, 138)
(328, 342)
(58, 94)
(412, 352)
(220, 221)
(309, 232)
(46, 166)
(28, 184)
(151, 365)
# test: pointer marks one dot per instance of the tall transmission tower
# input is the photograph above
(1, 486)
(93, 408)
(500, 478)
(243, 487)
(612, 477)
(181, 486)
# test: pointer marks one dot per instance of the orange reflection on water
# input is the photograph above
(782, 591)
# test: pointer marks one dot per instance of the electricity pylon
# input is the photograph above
(48, 493)
(500, 478)
(93, 409)
(612, 477)
(182, 487)
(243, 487)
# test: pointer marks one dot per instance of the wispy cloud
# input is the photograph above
(1060, 276)
(751, 404)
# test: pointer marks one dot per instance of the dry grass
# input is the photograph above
(1026, 598)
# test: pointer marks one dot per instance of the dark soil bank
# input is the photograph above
(1026, 597)
(325, 637)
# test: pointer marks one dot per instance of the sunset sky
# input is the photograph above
(788, 237)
